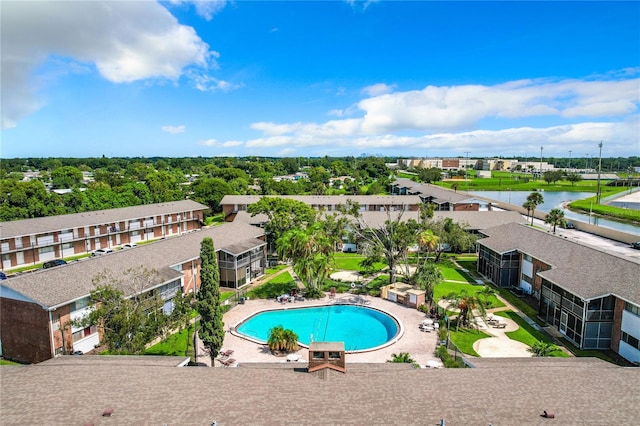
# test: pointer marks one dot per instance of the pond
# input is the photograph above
(558, 199)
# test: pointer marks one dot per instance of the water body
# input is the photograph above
(557, 199)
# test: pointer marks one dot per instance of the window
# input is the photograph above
(630, 340)
(85, 332)
(318, 355)
(334, 355)
(634, 309)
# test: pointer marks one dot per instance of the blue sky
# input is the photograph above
(281, 78)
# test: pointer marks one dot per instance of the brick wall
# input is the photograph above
(16, 317)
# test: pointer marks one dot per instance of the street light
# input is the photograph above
(466, 172)
(541, 148)
(599, 170)
(569, 160)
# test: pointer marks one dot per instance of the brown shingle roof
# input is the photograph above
(39, 225)
(577, 392)
(582, 270)
(56, 286)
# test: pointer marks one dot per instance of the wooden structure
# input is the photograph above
(327, 355)
(403, 294)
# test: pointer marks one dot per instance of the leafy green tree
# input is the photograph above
(128, 314)
(210, 191)
(389, 241)
(208, 296)
(452, 236)
(552, 176)
(555, 217)
(574, 177)
(284, 214)
(310, 250)
(66, 177)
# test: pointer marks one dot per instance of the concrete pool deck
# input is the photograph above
(420, 345)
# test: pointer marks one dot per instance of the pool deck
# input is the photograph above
(420, 345)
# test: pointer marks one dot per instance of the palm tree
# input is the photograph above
(555, 218)
(282, 340)
(427, 276)
(402, 357)
(428, 241)
(485, 293)
(465, 303)
(542, 348)
(529, 206)
(536, 199)
(310, 250)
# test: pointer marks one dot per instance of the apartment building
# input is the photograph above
(590, 297)
(32, 241)
(36, 309)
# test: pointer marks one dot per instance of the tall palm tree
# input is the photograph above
(465, 303)
(529, 206)
(427, 276)
(428, 241)
(536, 199)
(555, 218)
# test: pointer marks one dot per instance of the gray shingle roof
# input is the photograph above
(327, 199)
(582, 270)
(57, 286)
(577, 392)
(440, 195)
(39, 225)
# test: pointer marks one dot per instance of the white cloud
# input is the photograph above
(621, 137)
(126, 41)
(215, 143)
(378, 89)
(173, 129)
(205, 8)
(207, 83)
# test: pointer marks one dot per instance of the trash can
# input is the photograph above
(241, 301)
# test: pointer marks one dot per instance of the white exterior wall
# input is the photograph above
(87, 344)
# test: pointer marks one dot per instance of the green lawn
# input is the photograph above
(445, 288)
(464, 339)
(179, 344)
(7, 362)
(351, 262)
(225, 295)
(527, 334)
(274, 287)
(453, 274)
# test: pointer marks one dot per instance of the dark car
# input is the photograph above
(569, 225)
(3, 276)
(636, 245)
(52, 263)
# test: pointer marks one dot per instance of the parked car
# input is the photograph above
(52, 263)
(636, 245)
(569, 225)
(3, 276)
(129, 245)
(100, 252)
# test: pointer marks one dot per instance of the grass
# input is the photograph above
(589, 205)
(603, 355)
(464, 339)
(445, 288)
(274, 287)
(527, 334)
(272, 270)
(225, 295)
(178, 344)
(453, 274)
(351, 262)
(7, 362)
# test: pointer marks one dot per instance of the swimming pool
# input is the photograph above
(360, 328)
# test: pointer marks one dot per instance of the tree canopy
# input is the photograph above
(208, 296)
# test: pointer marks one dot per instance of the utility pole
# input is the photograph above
(599, 170)
(569, 160)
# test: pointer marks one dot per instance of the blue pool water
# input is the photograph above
(358, 327)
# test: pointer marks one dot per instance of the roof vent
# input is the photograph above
(548, 414)
(109, 411)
